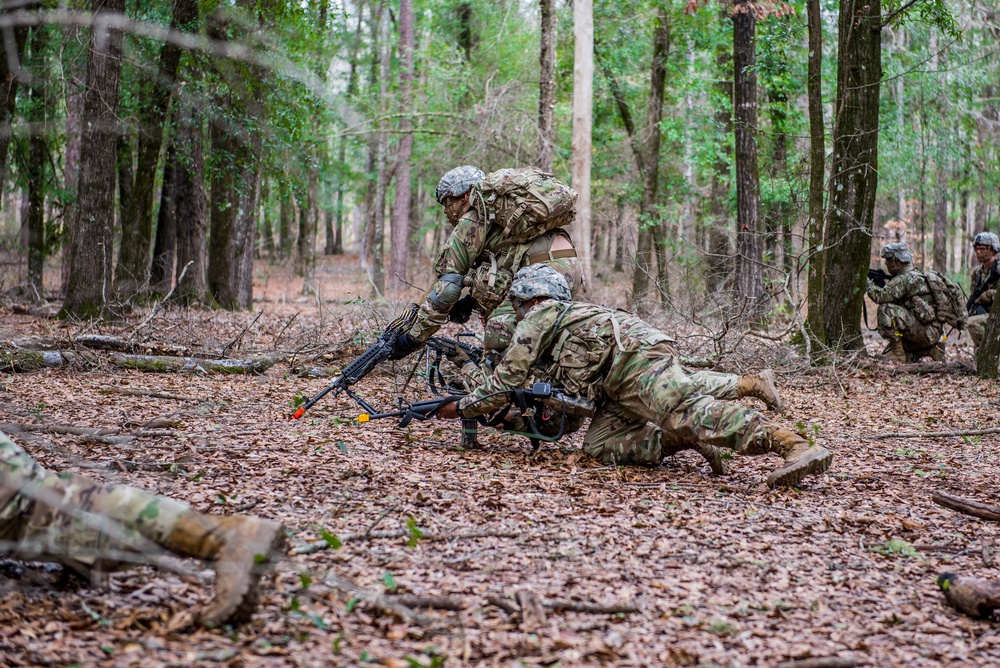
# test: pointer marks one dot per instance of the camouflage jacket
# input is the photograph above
(909, 289)
(979, 275)
(584, 349)
(469, 245)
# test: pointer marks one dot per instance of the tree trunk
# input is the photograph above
(137, 223)
(988, 354)
(126, 173)
(400, 229)
(91, 274)
(266, 223)
(307, 233)
(38, 158)
(547, 80)
(717, 272)
(14, 41)
(749, 257)
(161, 274)
(286, 219)
(190, 206)
(75, 73)
(941, 219)
(377, 231)
(815, 326)
(583, 113)
(854, 170)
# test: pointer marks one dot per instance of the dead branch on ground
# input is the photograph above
(983, 511)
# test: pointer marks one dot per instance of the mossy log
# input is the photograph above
(100, 342)
(163, 364)
(19, 361)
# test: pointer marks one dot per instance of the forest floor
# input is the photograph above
(721, 571)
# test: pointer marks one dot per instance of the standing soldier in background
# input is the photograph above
(92, 528)
(481, 254)
(647, 405)
(986, 245)
(906, 314)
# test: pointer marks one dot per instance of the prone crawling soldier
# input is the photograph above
(648, 406)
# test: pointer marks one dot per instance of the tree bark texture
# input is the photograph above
(161, 274)
(137, 223)
(400, 229)
(286, 220)
(817, 174)
(266, 222)
(379, 145)
(91, 274)
(854, 170)
(126, 173)
(38, 157)
(941, 220)
(749, 265)
(74, 67)
(191, 207)
(547, 81)
(307, 233)
(988, 354)
(583, 121)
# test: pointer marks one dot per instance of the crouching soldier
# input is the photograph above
(92, 528)
(906, 315)
(986, 245)
(647, 405)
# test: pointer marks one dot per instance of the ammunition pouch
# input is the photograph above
(489, 284)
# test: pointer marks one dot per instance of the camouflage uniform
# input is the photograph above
(69, 519)
(471, 244)
(630, 369)
(906, 310)
(977, 323)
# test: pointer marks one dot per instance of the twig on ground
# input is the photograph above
(432, 602)
(822, 662)
(225, 349)
(983, 511)
(156, 308)
(399, 533)
(936, 434)
(138, 392)
(18, 427)
(274, 346)
(384, 602)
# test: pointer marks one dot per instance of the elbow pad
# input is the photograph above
(450, 291)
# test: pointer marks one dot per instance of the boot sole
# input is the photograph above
(817, 460)
(257, 556)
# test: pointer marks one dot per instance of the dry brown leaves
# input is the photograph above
(723, 571)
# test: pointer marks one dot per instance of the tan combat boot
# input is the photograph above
(241, 547)
(895, 352)
(801, 459)
(761, 386)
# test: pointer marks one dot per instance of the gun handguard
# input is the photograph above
(366, 363)
(421, 410)
(992, 278)
(879, 277)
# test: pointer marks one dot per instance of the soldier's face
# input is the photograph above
(984, 254)
(893, 266)
(454, 207)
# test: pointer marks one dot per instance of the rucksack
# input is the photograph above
(949, 300)
(526, 203)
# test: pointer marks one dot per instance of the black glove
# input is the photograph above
(462, 310)
(403, 346)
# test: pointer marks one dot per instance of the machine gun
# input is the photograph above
(531, 402)
(978, 309)
(879, 277)
(365, 364)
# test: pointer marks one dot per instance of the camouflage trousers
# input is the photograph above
(656, 411)
(500, 325)
(75, 521)
(897, 321)
(977, 327)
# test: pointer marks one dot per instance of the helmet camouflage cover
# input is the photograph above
(539, 280)
(457, 182)
(897, 250)
(987, 239)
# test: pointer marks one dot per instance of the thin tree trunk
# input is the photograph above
(161, 274)
(14, 41)
(583, 113)
(547, 80)
(38, 158)
(988, 354)
(307, 234)
(191, 207)
(718, 272)
(286, 219)
(749, 257)
(815, 326)
(91, 275)
(941, 219)
(266, 223)
(400, 229)
(854, 170)
(381, 180)
(75, 74)
(126, 173)
(137, 223)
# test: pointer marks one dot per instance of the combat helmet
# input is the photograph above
(457, 182)
(539, 280)
(897, 250)
(987, 239)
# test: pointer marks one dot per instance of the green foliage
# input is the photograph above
(414, 531)
(894, 547)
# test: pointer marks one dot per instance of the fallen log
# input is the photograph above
(983, 511)
(821, 662)
(140, 392)
(400, 533)
(974, 597)
(256, 364)
(21, 361)
(936, 434)
(18, 427)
